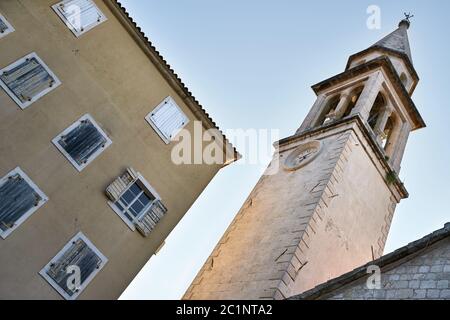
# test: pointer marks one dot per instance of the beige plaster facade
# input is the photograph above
(112, 73)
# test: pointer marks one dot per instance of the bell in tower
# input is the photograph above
(329, 207)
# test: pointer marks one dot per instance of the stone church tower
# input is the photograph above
(329, 206)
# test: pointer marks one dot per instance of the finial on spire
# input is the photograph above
(407, 21)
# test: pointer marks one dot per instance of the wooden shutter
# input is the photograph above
(121, 184)
(79, 252)
(79, 15)
(17, 197)
(83, 141)
(168, 119)
(148, 222)
(27, 80)
(3, 26)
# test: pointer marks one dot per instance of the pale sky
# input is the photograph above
(251, 65)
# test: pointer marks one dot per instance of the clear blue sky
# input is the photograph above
(251, 64)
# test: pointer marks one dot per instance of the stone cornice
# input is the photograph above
(396, 185)
(388, 68)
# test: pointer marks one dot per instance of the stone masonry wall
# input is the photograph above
(425, 276)
(257, 254)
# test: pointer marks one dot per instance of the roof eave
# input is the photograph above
(168, 73)
(399, 54)
(383, 262)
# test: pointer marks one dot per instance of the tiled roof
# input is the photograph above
(169, 71)
(385, 260)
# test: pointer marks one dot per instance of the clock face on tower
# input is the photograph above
(303, 155)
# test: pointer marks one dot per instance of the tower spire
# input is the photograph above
(398, 39)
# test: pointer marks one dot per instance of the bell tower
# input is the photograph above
(327, 205)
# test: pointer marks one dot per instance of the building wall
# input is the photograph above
(106, 74)
(423, 276)
(298, 229)
(354, 222)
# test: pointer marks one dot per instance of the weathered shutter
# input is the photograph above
(121, 184)
(80, 15)
(83, 141)
(3, 26)
(148, 222)
(17, 197)
(27, 80)
(169, 119)
(79, 254)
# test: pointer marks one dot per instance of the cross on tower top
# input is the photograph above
(408, 16)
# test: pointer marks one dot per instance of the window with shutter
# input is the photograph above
(136, 202)
(167, 119)
(27, 80)
(80, 16)
(19, 199)
(74, 267)
(82, 142)
(5, 27)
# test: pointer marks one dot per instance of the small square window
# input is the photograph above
(5, 27)
(19, 199)
(74, 267)
(167, 119)
(136, 202)
(27, 80)
(80, 16)
(82, 142)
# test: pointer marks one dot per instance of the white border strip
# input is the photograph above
(10, 27)
(26, 104)
(44, 199)
(155, 127)
(69, 129)
(77, 33)
(86, 282)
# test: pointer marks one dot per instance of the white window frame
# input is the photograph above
(83, 286)
(150, 189)
(69, 129)
(10, 27)
(44, 199)
(169, 99)
(77, 33)
(26, 104)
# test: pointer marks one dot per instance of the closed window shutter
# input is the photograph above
(169, 119)
(79, 15)
(82, 142)
(27, 80)
(78, 254)
(17, 197)
(3, 26)
(148, 222)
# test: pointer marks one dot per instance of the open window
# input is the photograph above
(74, 267)
(82, 142)
(136, 202)
(330, 107)
(80, 16)
(5, 27)
(376, 111)
(27, 80)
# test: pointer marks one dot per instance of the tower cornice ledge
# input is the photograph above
(388, 51)
(388, 68)
(391, 178)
